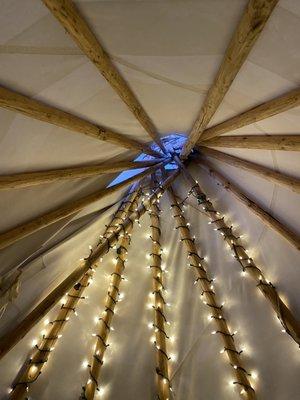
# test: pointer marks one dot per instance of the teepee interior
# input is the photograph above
(149, 195)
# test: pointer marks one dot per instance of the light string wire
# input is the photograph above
(158, 304)
(104, 321)
(33, 366)
(290, 324)
(209, 298)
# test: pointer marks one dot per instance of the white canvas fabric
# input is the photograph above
(169, 52)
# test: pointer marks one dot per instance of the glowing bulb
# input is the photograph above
(150, 325)
(152, 339)
(172, 339)
(33, 369)
(46, 322)
(214, 332)
(34, 342)
(101, 391)
(85, 364)
(254, 374)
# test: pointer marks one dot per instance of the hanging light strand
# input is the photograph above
(160, 337)
(216, 310)
(103, 322)
(33, 366)
(289, 322)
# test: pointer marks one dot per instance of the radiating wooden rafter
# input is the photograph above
(163, 385)
(104, 322)
(264, 110)
(261, 142)
(26, 179)
(278, 178)
(252, 205)
(73, 22)
(255, 16)
(42, 111)
(13, 235)
(208, 294)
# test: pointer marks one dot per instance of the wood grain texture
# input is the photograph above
(289, 321)
(264, 110)
(278, 178)
(39, 177)
(73, 22)
(255, 16)
(252, 205)
(41, 111)
(13, 235)
(14, 335)
(263, 142)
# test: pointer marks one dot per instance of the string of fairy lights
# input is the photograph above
(157, 304)
(239, 252)
(216, 308)
(32, 367)
(120, 228)
(104, 321)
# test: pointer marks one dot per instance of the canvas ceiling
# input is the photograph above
(169, 52)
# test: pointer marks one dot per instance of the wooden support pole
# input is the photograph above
(159, 321)
(27, 179)
(33, 366)
(278, 178)
(267, 218)
(41, 111)
(66, 12)
(265, 110)
(262, 142)
(210, 299)
(13, 235)
(105, 320)
(12, 337)
(289, 322)
(255, 16)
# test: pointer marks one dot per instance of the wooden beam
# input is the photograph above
(105, 319)
(264, 110)
(13, 235)
(267, 219)
(14, 335)
(159, 326)
(73, 22)
(255, 16)
(277, 177)
(26, 179)
(210, 299)
(41, 111)
(263, 142)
